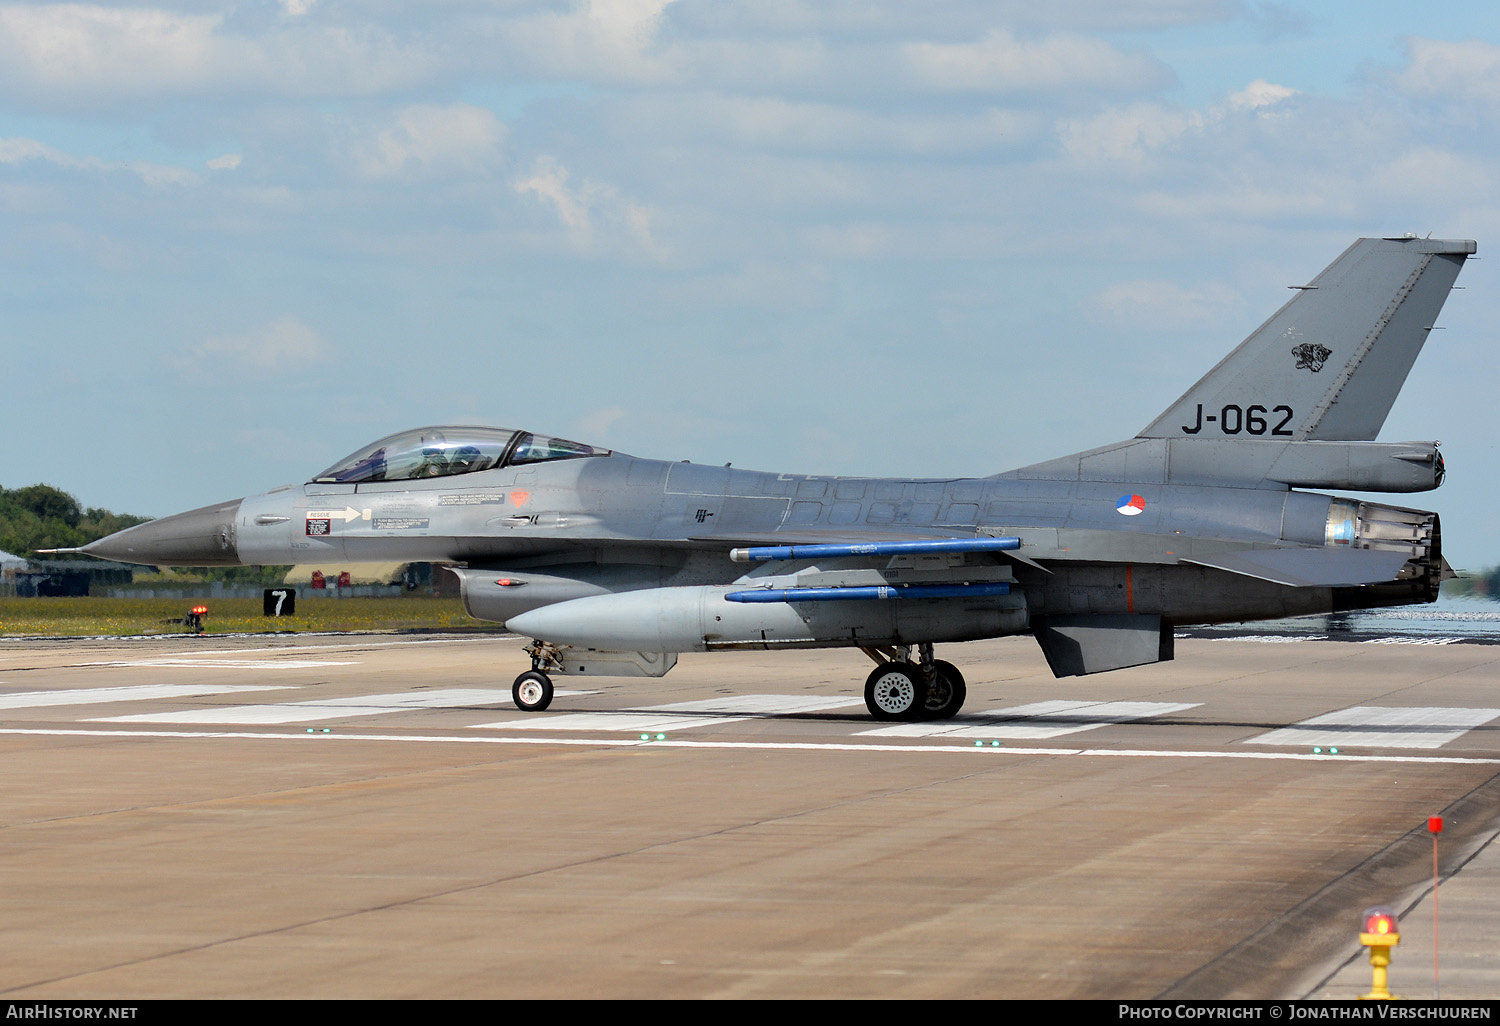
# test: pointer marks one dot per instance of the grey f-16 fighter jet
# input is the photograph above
(615, 564)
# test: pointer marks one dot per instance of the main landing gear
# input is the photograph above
(899, 689)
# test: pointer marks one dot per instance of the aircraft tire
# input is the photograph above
(945, 697)
(532, 691)
(895, 691)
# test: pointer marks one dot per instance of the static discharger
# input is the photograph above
(1380, 933)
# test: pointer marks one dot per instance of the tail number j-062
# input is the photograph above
(1244, 420)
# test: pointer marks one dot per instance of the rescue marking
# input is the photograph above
(677, 715)
(1371, 726)
(1037, 720)
(326, 708)
(128, 693)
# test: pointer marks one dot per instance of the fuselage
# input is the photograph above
(614, 523)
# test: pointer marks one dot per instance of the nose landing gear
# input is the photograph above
(532, 691)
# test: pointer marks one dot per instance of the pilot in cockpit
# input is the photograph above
(434, 458)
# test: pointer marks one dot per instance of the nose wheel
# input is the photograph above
(532, 691)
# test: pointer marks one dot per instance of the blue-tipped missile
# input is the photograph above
(762, 553)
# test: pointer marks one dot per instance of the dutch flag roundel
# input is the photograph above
(1130, 505)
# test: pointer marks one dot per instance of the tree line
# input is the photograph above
(42, 517)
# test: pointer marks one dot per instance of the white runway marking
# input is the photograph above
(1360, 726)
(327, 708)
(1032, 722)
(131, 693)
(1271, 639)
(1411, 641)
(928, 750)
(228, 664)
(677, 715)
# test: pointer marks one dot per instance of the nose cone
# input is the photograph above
(200, 537)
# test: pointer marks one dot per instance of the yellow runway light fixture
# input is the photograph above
(1381, 932)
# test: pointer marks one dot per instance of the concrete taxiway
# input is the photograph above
(369, 816)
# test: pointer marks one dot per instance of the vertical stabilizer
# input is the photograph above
(1329, 364)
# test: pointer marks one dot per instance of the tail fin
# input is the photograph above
(1328, 364)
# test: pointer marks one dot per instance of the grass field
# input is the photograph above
(120, 617)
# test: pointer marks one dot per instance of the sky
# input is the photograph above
(238, 240)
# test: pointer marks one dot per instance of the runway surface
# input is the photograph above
(369, 816)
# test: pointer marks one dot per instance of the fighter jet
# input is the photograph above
(614, 564)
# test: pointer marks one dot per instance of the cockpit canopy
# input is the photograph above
(445, 451)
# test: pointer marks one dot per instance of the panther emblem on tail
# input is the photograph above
(1311, 356)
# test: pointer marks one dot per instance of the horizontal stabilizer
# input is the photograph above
(1311, 568)
(1076, 645)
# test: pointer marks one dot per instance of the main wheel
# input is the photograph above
(532, 691)
(895, 691)
(946, 693)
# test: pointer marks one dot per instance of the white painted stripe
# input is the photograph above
(1411, 641)
(762, 746)
(130, 693)
(676, 716)
(1036, 721)
(227, 664)
(320, 709)
(1419, 727)
(1270, 639)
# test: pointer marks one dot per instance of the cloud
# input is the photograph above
(549, 182)
(1133, 132)
(433, 138)
(595, 40)
(282, 345)
(16, 151)
(1260, 95)
(778, 124)
(1000, 62)
(1164, 305)
(1467, 70)
(593, 212)
(89, 56)
(228, 162)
